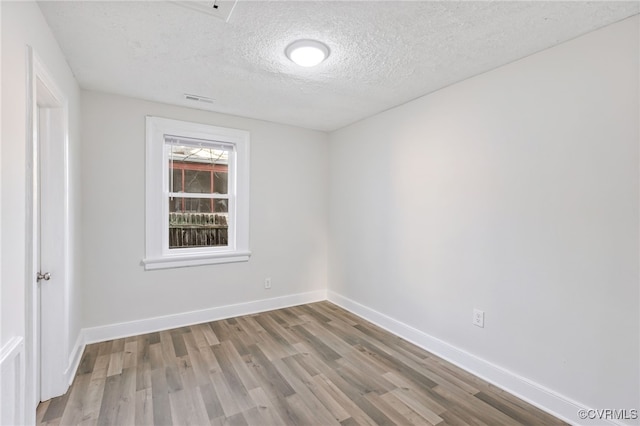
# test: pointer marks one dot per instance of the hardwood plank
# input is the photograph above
(143, 375)
(110, 397)
(229, 404)
(404, 410)
(88, 360)
(452, 419)
(482, 411)
(56, 408)
(193, 368)
(101, 366)
(117, 346)
(104, 348)
(247, 376)
(209, 335)
(395, 416)
(221, 330)
(168, 351)
(349, 422)
(416, 405)
(92, 399)
(125, 411)
(334, 408)
(275, 332)
(356, 414)
(266, 369)
(515, 411)
(328, 355)
(414, 392)
(160, 396)
(156, 359)
(302, 413)
(265, 408)
(129, 358)
(211, 401)
(300, 382)
(198, 336)
(174, 380)
(115, 363)
(154, 338)
(236, 420)
(178, 344)
(326, 336)
(350, 386)
(365, 382)
(188, 408)
(73, 411)
(41, 409)
(253, 334)
(234, 383)
(144, 407)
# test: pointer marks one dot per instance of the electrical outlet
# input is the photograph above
(478, 318)
(267, 283)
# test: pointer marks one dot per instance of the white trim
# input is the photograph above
(75, 357)
(11, 349)
(13, 410)
(150, 325)
(32, 312)
(534, 393)
(177, 262)
(157, 252)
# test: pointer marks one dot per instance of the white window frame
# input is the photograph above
(157, 252)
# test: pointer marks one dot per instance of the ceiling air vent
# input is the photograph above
(220, 9)
(198, 98)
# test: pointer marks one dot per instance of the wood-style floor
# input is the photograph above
(307, 365)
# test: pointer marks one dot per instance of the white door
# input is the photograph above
(48, 284)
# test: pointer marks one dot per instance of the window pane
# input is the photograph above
(197, 165)
(196, 229)
(220, 180)
(221, 206)
(197, 181)
(198, 205)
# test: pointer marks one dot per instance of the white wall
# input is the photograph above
(288, 229)
(515, 192)
(22, 25)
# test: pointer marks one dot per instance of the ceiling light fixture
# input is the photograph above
(307, 53)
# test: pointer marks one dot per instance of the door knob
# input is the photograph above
(46, 276)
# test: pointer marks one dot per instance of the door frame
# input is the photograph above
(47, 324)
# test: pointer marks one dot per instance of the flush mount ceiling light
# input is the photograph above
(307, 53)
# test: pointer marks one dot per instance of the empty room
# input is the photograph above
(235, 212)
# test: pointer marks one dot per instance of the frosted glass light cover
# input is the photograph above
(307, 53)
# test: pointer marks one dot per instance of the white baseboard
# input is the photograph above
(150, 325)
(534, 393)
(75, 357)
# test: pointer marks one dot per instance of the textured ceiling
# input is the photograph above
(383, 53)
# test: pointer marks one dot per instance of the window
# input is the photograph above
(197, 194)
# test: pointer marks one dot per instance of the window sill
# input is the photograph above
(184, 261)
